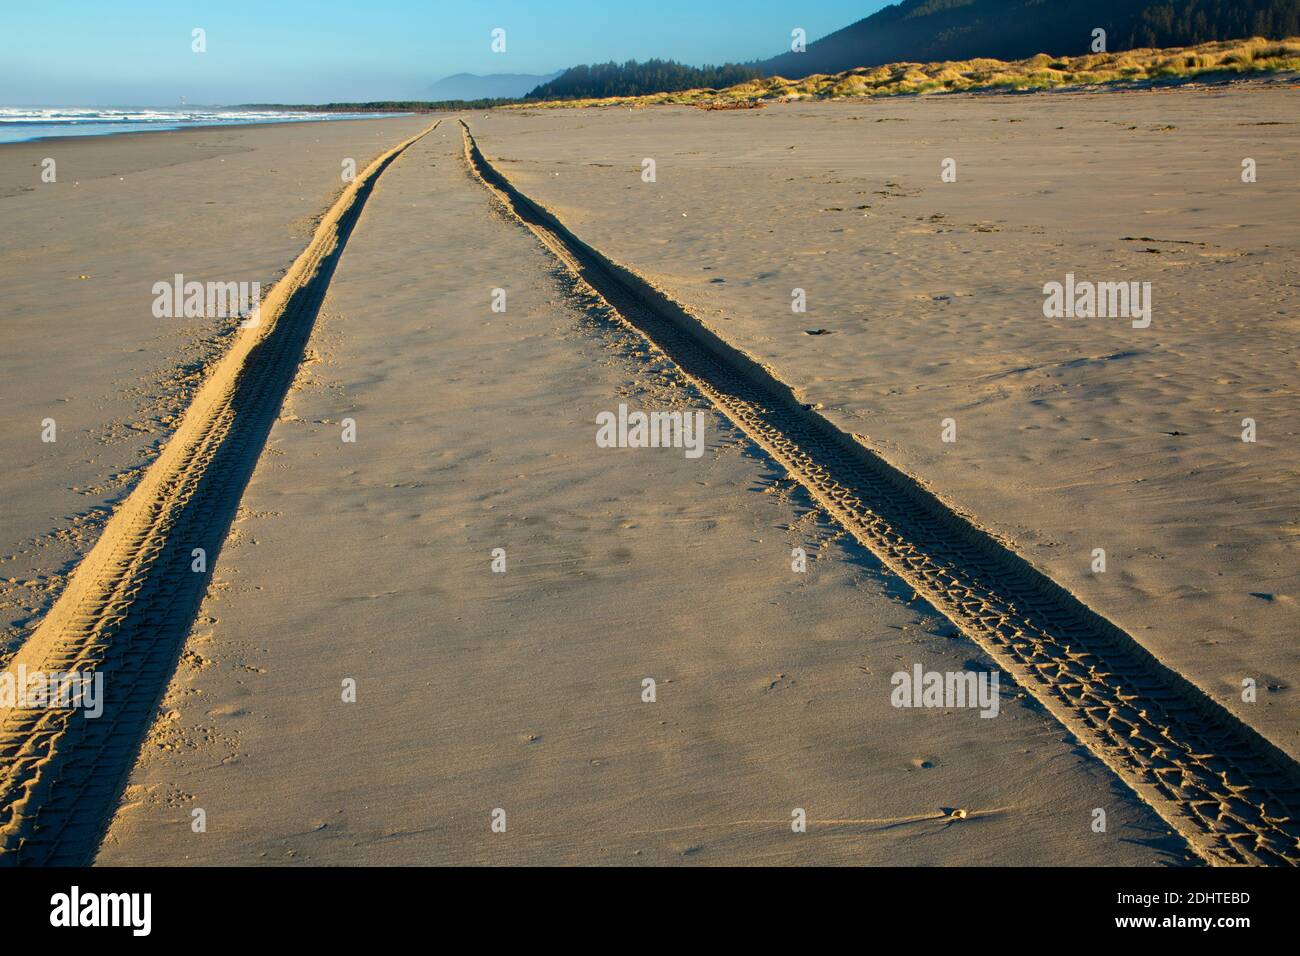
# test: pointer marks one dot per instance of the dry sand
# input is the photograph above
(475, 430)
(522, 690)
(230, 204)
(1072, 434)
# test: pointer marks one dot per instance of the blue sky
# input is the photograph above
(137, 52)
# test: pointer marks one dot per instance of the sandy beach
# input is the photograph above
(82, 345)
(431, 600)
(523, 690)
(1071, 434)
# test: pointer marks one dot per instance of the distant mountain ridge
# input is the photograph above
(935, 30)
(472, 86)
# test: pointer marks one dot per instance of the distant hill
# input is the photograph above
(933, 30)
(471, 86)
(633, 79)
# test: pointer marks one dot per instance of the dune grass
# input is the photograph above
(1041, 72)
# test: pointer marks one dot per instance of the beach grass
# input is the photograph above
(1226, 59)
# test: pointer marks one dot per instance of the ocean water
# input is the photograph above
(19, 123)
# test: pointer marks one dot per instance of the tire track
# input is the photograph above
(128, 607)
(1229, 792)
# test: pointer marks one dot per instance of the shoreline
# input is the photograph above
(197, 127)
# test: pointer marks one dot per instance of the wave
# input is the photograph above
(23, 122)
(19, 114)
